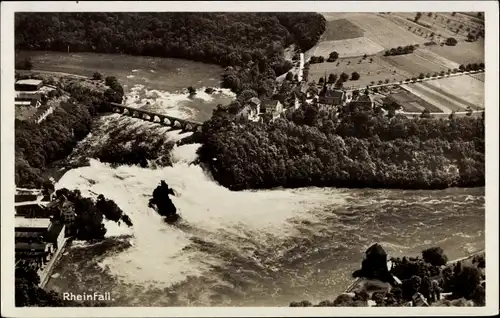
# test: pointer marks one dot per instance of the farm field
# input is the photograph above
(429, 25)
(341, 29)
(462, 53)
(346, 48)
(431, 56)
(412, 103)
(414, 64)
(385, 32)
(434, 95)
(375, 71)
(465, 89)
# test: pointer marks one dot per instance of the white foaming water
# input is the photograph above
(158, 254)
(172, 103)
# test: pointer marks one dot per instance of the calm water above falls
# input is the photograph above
(252, 247)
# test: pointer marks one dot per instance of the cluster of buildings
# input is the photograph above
(328, 96)
(41, 227)
(256, 110)
(28, 100)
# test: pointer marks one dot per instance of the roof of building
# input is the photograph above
(31, 246)
(254, 100)
(33, 209)
(30, 81)
(22, 234)
(22, 221)
(364, 99)
(270, 102)
(335, 93)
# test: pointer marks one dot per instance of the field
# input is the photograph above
(383, 31)
(412, 103)
(347, 48)
(414, 64)
(375, 71)
(465, 89)
(356, 34)
(341, 29)
(451, 94)
(462, 53)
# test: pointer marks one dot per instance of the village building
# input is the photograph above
(28, 85)
(329, 96)
(31, 101)
(35, 210)
(272, 109)
(36, 239)
(27, 195)
(363, 101)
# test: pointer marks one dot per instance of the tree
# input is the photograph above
(333, 56)
(289, 76)
(451, 41)
(344, 77)
(461, 68)
(332, 78)
(435, 256)
(365, 56)
(453, 14)
(421, 76)
(418, 16)
(321, 80)
(469, 111)
(355, 76)
(411, 286)
(425, 113)
(429, 14)
(97, 76)
(466, 281)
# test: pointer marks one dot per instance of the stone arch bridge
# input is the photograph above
(166, 120)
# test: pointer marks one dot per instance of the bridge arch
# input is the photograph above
(175, 123)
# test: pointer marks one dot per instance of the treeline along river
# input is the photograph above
(252, 248)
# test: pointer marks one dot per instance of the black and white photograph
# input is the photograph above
(294, 155)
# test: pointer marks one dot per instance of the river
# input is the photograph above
(248, 248)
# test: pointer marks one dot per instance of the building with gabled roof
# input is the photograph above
(331, 97)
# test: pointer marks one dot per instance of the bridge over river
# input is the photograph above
(166, 120)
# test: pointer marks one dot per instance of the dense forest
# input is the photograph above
(250, 43)
(429, 276)
(314, 146)
(39, 145)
